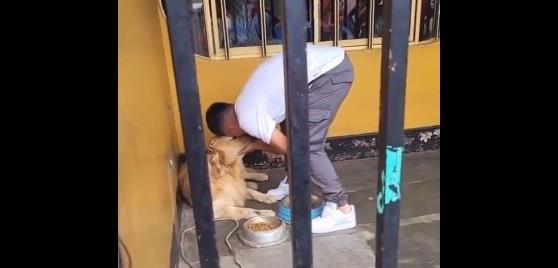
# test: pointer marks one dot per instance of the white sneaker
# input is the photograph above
(281, 191)
(333, 220)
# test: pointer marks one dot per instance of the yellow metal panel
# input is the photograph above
(146, 180)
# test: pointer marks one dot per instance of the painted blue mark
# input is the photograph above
(391, 178)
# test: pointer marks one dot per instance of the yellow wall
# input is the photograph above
(222, 81)
(149, 132)
(146, 181)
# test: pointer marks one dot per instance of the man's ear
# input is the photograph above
(231, 122)
(228, 128)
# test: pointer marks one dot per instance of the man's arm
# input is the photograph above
(278, 144)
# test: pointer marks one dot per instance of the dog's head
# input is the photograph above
(224, 152)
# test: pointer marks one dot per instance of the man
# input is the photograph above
(261, 106)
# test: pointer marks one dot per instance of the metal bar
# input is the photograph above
(418, 21)
(317, 10)
(344, 19)
(413, 24)
(438, 19)
(395, 44)
(208, 29)
(357, 18)
(215, 30)
(336, 26)
(296, 99)
(226, 44)
(371, 10)
(263, 29)
(181, 37)
(309, 34)
(272, 11)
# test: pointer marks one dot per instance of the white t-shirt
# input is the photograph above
(261, 104)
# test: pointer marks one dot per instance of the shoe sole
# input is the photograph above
(340, 227)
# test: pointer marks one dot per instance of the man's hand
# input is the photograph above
(278, 144)
(257, 145)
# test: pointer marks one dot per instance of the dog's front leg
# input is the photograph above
(255, 176)
(260, 197)
(252, 185)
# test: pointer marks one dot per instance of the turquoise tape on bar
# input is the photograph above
(391, 178)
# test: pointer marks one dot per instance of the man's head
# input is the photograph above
(221, 120)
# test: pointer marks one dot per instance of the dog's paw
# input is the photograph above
(263, 177)
(268, 199)
(257, 176)
(266, 212)
(252, 185)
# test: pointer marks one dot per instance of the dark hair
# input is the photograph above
(215, 117)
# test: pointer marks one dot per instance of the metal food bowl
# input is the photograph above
(258, 239)
(284, 208)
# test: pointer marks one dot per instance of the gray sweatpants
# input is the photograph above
(327, 92)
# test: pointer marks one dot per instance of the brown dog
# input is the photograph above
(227, 176)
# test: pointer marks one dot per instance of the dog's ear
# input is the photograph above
(228, 155)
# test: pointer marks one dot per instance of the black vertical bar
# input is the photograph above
(345, 19)
(179, 14)
(309, 32)
(395, 42)
(272, 11)
(296, 99)
(437, 17)
(357, 20)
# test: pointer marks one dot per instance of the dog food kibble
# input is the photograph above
(260, 226)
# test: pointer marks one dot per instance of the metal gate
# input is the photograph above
(392, 105)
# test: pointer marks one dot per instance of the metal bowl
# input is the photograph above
(284, 208)
(259, 239)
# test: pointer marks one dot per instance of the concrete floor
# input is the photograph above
(419, 237)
